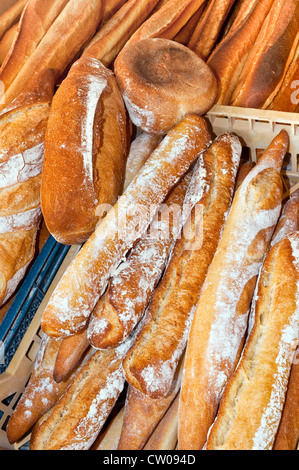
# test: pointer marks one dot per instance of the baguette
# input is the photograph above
(255, 394)
(72, 347)
(36, 19)
(289, 219)
(168, 20)
(41, 392)
(129, 290)
(143, 414)
(11, 16)
(160, 342)
(208, 29)
(22, 134)
(184, 35)
(112, 37)
(165, 436)
(77, 419)
(6, 41)
(70, 306)
(244, 170)
(277, 41)
(220, 321)
(66, 37)
(87, 124)
(108, 439)
(237, 45)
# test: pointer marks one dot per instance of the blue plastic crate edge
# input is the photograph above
(29, 298)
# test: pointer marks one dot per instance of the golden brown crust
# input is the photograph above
(22, 133)
(255, 395)
(228, 58)
(71, 30)
(165, 435)
(220, 321)
(7, 41)
(112, 37)
(41, 392)
(71, 306)
(184, 35)
(208, 29)
(160, 342)
(162, 81)
(78, 417)
(129, 290)
(289, 219)
(36, 19)
(87, 125)
(11, 16)
(277, 41)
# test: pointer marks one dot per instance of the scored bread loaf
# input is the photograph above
(208, 29)
(154, 356)
(65, 38)
(156, 70)
(22, 135)
(129, 290)
(36, 19)
(70, 306)
(221, 317)
(78, 417)
(40, 394)
(270, 57)
(255, 394)
(87, 127)
(229, 57)
(112, 37)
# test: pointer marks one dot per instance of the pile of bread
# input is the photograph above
(176, 325)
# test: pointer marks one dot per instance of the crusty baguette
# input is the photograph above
(110, 7)
(41, 392)
(287, 98)
(140, 150)
(277, 41)
(160, 342)
(11, 16)
(129, 290)
(229, 57)
(143, 414)
(7, 41)
(22, 135)
(70, 306)
(66, 37)
(78, 417)
(184, 35)
(244, 169)
(255, 395)
(87, 125)
(208, 29)
(112, 37)
(168, 20)
(109, 438)
(220, 321)
(289, 219)
(165, 436)
(36, 19)
(240, 12)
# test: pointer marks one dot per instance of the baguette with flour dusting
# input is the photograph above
(85, 280)
(221, 317)
(153, 358)
(256, 392)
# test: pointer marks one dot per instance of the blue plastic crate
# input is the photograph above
(29, 298)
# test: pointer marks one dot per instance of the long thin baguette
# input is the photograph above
(86, 278)
(255, 395)
(168, 20)
(11, 16)
(41, 392)
(229, 57)
(108, 439)
(66, 37)
(112, 37)
(76, 420)
(208, 29)
(129, 290)
(72, 347)
(36, 19)
(160, 342)
(277, 41)
(184, 35)
(221, 316)
(6, 42)
(143, 414)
